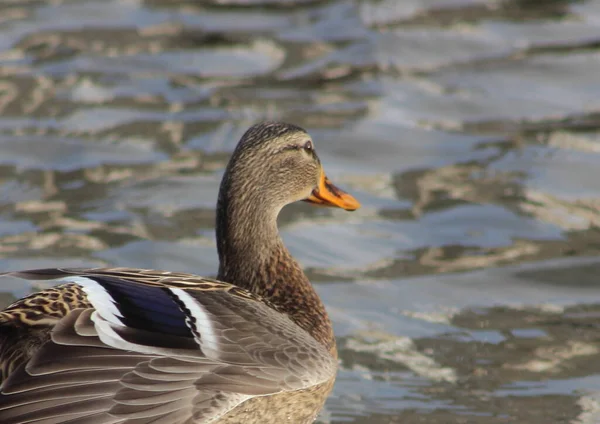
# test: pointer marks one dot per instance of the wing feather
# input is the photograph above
(159, 348)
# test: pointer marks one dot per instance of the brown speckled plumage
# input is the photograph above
(26, 323)
(257, 346)
(282, 281)
(46, 307)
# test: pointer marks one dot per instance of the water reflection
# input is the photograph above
(469, 130)
(480, 346)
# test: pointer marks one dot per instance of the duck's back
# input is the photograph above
(138, 346)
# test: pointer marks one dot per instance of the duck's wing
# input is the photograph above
(159, 348)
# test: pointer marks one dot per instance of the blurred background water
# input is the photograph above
(465, 290)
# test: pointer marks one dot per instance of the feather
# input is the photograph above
(198, 320)
(149, 352)
(99, 297)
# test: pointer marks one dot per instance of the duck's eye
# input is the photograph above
(308, 146)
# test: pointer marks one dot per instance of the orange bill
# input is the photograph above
(326, 194)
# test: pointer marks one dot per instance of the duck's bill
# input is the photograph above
(327, 194)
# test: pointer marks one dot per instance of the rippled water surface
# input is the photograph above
(466, 290)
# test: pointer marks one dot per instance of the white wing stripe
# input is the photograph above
(99, 298)
(109, 337)
(208, 338)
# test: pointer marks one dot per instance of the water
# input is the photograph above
(464, 291)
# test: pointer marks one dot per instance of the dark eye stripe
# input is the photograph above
(291, 147)
(308, 147)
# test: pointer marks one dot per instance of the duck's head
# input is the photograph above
(275, 164)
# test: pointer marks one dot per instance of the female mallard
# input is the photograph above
(139, 346)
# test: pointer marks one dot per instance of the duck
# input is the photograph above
(135, 346)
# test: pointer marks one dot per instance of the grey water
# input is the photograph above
(465, 290)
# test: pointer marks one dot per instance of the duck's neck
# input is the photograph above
(253, 256)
